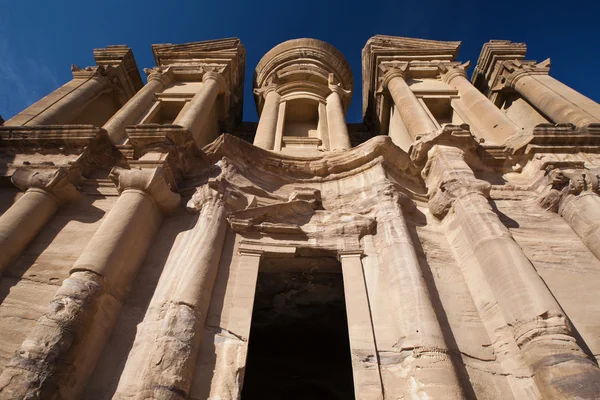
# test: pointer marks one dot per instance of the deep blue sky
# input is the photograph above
(40, 40)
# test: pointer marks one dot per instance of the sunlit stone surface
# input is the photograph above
(155, 246)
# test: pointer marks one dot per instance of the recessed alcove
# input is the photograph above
(299, 346)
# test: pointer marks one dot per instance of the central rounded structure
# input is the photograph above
(302, 89)
(303, 66)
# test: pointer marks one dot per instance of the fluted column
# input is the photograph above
(424, 355)
(574, 195)
(71, 105)
(134, 108)
(198, 110)
(476, 109)
(59, 354)
(336, 120)
(556, 100)
(267, 125)
(166, 347)
(541, 329)
(45, 192)
(414, 116)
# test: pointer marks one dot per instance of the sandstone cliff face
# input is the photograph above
(446, 249)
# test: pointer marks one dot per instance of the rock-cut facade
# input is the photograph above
(153, 245)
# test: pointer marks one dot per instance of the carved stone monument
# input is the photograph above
(155, 246)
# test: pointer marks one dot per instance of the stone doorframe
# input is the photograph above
(365, 364)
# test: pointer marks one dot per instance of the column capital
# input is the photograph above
(265, 90)
(218, 77)
(220, 191)
(162, 74)
(450, 71)
(458, 136)
(339, 90)
(513, 70)
(356, 253)
(57, 183)
(563, 184)
(152, 182)
(447, 175)
(391, 71)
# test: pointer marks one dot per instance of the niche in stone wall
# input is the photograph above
(164, 111)
(301, 118)
(298, 345)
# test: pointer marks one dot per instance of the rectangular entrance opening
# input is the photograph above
(299, 347)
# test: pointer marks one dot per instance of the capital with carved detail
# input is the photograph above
(162, 74)
(562, 184)
(218, 77)
(59, 184)
(391, 71)
(450, 71)
(149, 181)
(445, 171)
(220, 191)
(514, 70)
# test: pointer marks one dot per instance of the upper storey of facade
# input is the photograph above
(303, 88)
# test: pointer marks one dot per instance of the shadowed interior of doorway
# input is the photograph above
(299, 346)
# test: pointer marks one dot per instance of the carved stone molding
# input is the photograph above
(58, 183)
(150, 181)
(449, 71)
(219, 190)
(162, 74)
(513, 70)
(561, 183)
(446, 172)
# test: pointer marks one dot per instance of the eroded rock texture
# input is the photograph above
(154, 246)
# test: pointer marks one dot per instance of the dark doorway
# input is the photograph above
(299, 347)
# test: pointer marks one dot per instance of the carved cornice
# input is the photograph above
(151, 182)
(555, 138)
(492, 55)
(58, 183)
(325, 167)
(124, 68)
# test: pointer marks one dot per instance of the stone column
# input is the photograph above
(134, 108)
(476, 109)
(414, 116)
(61, 351)
(574, 195)
(170, 337)
(424, 355)
(541, 329)
(336, 120)
(397, 130)
(267, 125)
(557, 101)
(45, 192)
(70, 106)
(365, 363)
(198, 109)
